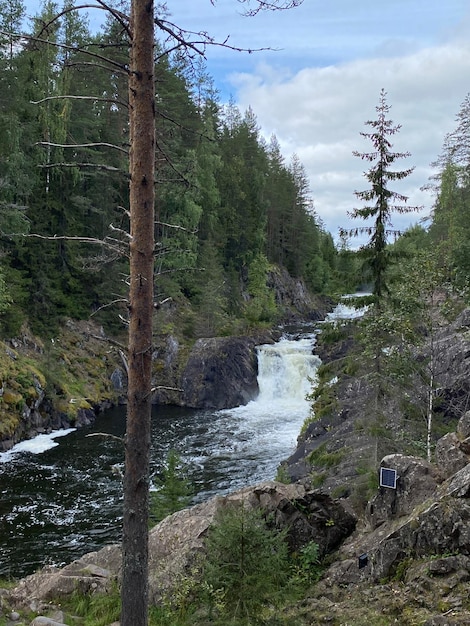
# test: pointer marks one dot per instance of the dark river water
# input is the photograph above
(61, 494)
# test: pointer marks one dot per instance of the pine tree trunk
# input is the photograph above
(134, 593)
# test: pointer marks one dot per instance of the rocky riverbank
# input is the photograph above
(406, 561)
(395, 554)
(60, 383)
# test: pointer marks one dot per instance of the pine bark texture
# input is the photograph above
(134, 593)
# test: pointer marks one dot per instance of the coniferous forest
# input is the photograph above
(229, 208)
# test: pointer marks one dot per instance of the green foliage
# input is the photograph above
(307, 564)
(173, 489)
(247, 561)
(323, 397)
(94, 609)
(401, 569)
(325, 402)
(282, 475)
(321, 457)
(317, 479)
(371, 476)
(261, 306)
(332, 332)
(229, 209)
(5, 298)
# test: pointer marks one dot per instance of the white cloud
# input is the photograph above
(319, 112)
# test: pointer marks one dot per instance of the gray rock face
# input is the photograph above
(293, 298)
(118, 379)
(221, 372)
(452, 349)
(439, 525)
(450, 458)
(463, 427)
(416, 481)
(36, 591)
(177, 541)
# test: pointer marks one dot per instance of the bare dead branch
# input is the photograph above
(106, 436)
(198, 46)
(81, 145)
(176, 227)
(166, 388)
(160, 303)
(180, 176)
(69, 97)
(276, 5)
(92, 240)
(125, 211)
(123, 232)
(63, 46)
(120, 17)
(99, 166)
(180, 269)
(122, 354)
(94, 65)
(106, 306)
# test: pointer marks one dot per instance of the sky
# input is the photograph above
(321, 79)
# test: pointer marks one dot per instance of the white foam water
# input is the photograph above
(36, 445)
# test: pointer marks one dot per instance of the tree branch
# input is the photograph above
(93, 240)
(69, 97)
(81, 145)
(276, 5)
(176, 227)
(100, 166)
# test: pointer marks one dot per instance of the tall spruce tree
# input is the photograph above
(382, 202)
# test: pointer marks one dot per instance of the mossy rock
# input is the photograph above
(12, 398)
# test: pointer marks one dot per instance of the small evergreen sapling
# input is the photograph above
(173, 490)
(246, 560)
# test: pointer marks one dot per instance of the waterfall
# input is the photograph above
(286, 371)
(267, 427)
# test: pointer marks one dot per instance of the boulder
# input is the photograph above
(221, 372)
(438, 526)
(416, 481)
(45, 621)
(37, 590)
(178, 541)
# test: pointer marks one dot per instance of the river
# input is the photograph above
(61, 494)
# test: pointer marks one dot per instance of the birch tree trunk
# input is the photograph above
(134, 594)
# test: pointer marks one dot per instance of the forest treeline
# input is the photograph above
(228, 205)
(229, 208)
